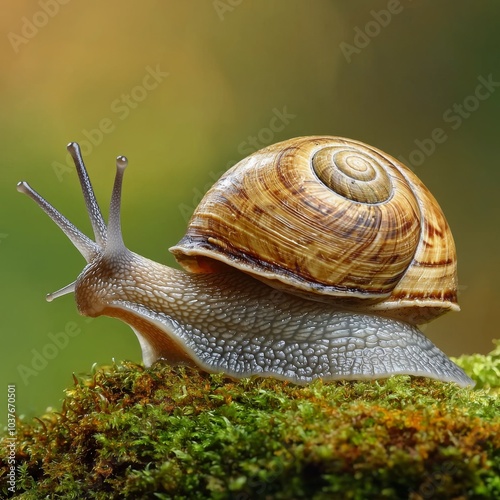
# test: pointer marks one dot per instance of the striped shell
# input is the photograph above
(331, 219)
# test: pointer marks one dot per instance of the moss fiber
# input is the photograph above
(129, 432)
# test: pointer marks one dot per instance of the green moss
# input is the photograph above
(484, 369)
(128, 432)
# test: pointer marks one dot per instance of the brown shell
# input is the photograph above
(331, 219)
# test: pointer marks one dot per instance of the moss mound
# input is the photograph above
(127, 432)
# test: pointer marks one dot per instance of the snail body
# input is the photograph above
(312, 258)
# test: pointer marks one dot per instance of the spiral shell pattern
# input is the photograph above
(330, 219)
(353, 174)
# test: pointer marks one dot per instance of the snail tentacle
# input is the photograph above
(93, 210)
(82, 243)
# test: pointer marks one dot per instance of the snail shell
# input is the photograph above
(331, 219)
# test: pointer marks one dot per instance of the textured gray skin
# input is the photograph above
(232, 323)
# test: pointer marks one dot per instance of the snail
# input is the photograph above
(316, 257)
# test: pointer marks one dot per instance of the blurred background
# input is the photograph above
(185, 90)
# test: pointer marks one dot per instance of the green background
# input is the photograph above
(230, 65)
